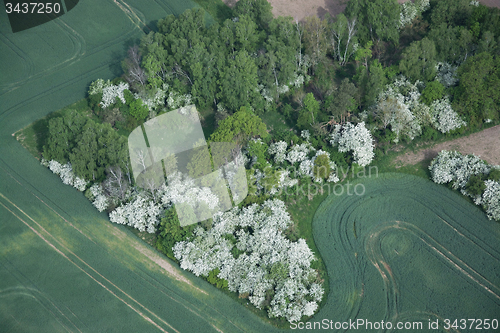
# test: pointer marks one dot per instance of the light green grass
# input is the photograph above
(438, 252)
(64, 266)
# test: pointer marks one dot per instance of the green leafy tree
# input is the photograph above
(478, 93)
(154, 58)
(451, 12)
(343, 38)
(238, 81)
(376, 83)
(199, 164)
(258, 149)
(364, 53)
(377, 19)
(418, 61)
(246, 33)
(216, 281)
(309, 113)
(260, 11)
(138, 110)
(475, 185)
(239, 127)
(453, 43)
(315, 38)
(321, 167)
(494, 175)
(59, 141)
(343, 100)
(170, 232)
(63, 135)
(83, 157)
(433, 91)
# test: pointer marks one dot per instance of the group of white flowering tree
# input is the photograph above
(248, 249)
(355, 138)
(401, 109)
(299, 160)
(472, 176)
(109, 94)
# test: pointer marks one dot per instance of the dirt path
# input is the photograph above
(485, 144)
(299, 9)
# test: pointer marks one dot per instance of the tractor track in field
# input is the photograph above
(391, 245)
(86, 268)
(148, 253)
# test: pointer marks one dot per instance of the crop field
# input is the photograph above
(63, 266)
(408, 250)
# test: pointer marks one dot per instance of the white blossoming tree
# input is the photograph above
(278, 149)
(99, 199)
(444, 118)
(399, 107)
(65, 171)
(491, 199)
(355, 138)
(98, 85)
(111, 92)
(266, 259)
(140, 213)
(446, 74)
(457, 169)
(410, 10)
(451, 166)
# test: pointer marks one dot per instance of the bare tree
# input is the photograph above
(342, 29)
(140, 158)
(300, 32)
(132, 67)
(115, 184)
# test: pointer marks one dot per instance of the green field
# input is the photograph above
(64, 266)
(408, 250)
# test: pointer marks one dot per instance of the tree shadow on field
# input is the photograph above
(430, 154)
(151, 26)
(334, 7)
(116, 63)
(41, 128)
(223, 12)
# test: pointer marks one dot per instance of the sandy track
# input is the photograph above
(485, 144)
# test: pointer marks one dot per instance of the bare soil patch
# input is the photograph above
(300, 9)
(485, 144)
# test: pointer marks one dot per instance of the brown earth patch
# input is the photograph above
(299, 9)
(485, 144)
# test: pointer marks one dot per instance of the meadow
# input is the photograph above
(421, 253)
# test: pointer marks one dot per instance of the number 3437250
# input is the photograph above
(33, 8)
